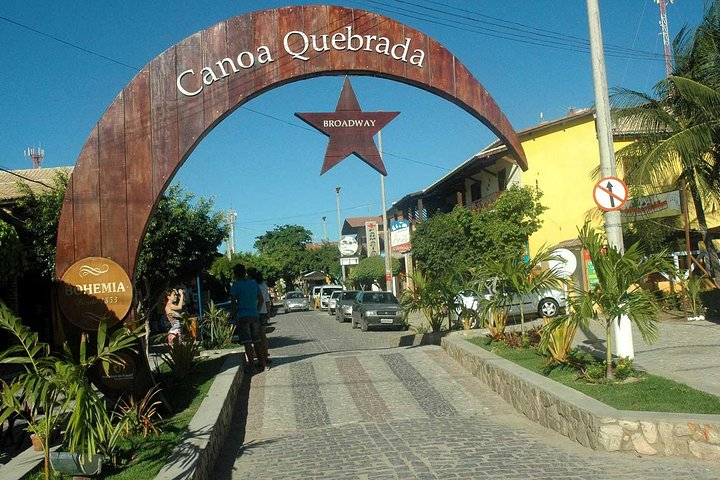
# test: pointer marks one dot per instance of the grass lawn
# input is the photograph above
(650, 393)
(148, 455)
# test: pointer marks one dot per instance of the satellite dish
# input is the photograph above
(565, 264)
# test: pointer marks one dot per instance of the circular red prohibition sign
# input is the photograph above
(610, 194)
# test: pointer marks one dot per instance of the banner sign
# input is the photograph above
(653, 206)
(400, 236)
(373, 239)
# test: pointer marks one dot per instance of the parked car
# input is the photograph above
(295, 301)
(344, 305)
(377, 309)
(547, 303)
(325, 292)
(332, 301)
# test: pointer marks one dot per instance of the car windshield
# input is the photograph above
(348, 295)
(379, 297)
(336, 294)
(295, 295)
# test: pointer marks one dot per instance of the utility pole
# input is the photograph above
(37, 156)
(325, 237)
(232, 216)
(623, 345)
(386, 233)
(337, 200)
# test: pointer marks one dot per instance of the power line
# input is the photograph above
(26, 178)
(552, 40)
(72, 45)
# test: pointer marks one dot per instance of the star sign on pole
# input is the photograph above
(350, 130)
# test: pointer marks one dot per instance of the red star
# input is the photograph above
(350, 130)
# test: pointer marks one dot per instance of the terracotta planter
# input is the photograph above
(36, 443)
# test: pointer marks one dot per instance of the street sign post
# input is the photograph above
(610, 194)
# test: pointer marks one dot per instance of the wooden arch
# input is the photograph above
(151, 127)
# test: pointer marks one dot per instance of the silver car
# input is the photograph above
(295, 301)
(377, 309)
(546, 303)
(332, 301)
(344, 305)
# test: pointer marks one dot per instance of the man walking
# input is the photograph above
(246, 300)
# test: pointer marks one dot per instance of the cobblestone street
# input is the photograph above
(339, 403)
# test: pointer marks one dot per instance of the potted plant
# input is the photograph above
(56, 389)
(617, 293)
(36, 395)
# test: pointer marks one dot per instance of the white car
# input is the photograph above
(325, 292)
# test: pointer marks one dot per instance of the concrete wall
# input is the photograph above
(584, 419)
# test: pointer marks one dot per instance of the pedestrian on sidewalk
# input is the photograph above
(264, 311)
(246, 300)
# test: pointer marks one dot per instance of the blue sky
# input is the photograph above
(262, 161)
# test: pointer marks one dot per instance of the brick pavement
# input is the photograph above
(339, 403)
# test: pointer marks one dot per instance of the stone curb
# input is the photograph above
(195, 456)
(586, 420)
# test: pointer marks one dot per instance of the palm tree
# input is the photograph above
(679, 126)
(617, 292)
(513, 275)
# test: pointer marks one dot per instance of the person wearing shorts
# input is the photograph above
(246, 300)
(264, 310)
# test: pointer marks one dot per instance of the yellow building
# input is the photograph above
(562, 157)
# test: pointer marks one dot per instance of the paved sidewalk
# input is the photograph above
(686, 351)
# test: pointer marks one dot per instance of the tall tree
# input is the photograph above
(372, 270)
(181, 239)
(679, 125)
(40, 212)
(464, 239)
(12, 259)
(285, 246)
(325, 258)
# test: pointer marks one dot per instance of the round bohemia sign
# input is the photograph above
(92, 289)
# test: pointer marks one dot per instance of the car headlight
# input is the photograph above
(370, 312)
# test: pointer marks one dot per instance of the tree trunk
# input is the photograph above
(706, 235)
(609, 374)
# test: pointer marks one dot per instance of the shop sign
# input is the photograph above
(348, 245)
(373, 239)
(653, 206)
(92, 289)
(400, 236)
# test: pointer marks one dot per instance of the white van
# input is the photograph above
(325, 292)
(315, 295)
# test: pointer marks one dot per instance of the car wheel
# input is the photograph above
(548, 307)
(363, 324)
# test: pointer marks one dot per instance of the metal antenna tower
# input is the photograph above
(665, 35)
(37, 156)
